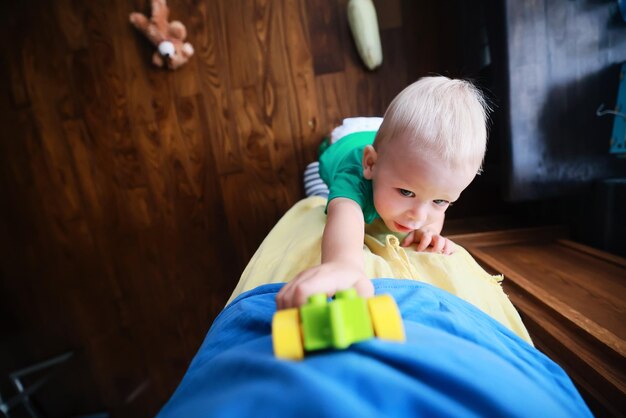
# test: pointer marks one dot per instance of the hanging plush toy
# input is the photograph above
(168, 37)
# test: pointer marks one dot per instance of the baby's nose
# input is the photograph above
(418, 213)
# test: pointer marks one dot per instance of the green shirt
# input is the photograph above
(341, 168)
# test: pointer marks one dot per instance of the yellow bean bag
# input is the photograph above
(294, 245)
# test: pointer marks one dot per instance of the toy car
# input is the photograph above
(346, 319)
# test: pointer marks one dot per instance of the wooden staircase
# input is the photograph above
(572, 299)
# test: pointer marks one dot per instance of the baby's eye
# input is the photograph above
(441, 202)
(406, 193)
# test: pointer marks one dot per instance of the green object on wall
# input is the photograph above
(618, 136)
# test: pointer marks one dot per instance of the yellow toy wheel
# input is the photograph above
(287, 335)
(386, 318)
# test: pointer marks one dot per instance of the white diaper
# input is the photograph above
(351, 125)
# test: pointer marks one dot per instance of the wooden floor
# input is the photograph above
(133, 197)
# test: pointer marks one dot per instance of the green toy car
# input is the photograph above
(345, 320)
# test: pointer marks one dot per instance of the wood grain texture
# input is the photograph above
(324, 17)
(572, 299)
(133, 197)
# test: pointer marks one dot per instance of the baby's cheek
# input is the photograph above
(437, 215)
(381, 205)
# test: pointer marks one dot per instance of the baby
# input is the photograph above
(429, 148)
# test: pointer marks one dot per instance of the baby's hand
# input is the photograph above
(427, 240)
(328, 278)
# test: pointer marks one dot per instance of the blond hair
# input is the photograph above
(439, 115)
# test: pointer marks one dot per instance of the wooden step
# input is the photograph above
(572, 299)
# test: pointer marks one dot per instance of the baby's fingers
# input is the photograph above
(408, 240)
(449, 248)
(438, 243)
(307, 288)
(425, 241)
(283, 294)
(310, 282)
(285, 297)
(364, 288)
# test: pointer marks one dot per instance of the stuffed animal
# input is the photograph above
(168, 37)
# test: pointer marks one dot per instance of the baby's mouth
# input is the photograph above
(401, 228)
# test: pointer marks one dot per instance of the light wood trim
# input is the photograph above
(509, 236)
(576, 347)
(611, 258)
(589, 326)
(597, 375)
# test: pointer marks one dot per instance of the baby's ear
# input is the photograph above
(369, 160)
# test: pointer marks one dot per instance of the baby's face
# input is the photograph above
(412, 190)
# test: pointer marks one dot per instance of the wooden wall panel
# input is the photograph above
(133, 196)
(334, 101)
(247, 19)
(324, 18)
(211, 48)
(303, 103)
(291, 70)
(561, 61)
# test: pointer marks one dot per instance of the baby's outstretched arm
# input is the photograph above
(429, 239)
(342, 259)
